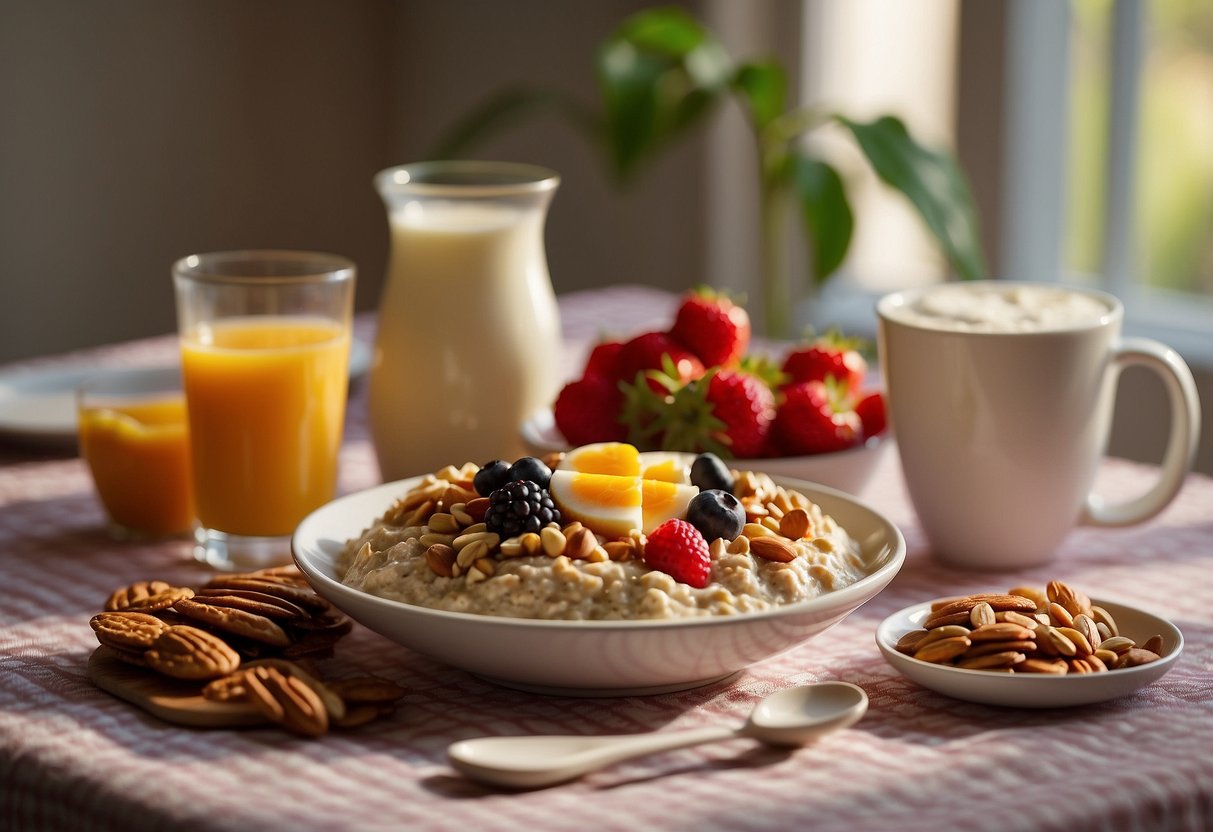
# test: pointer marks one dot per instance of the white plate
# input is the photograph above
(38, 406)
(592, 658)
(1028, 690)
(847, 470)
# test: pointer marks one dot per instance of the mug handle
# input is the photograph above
(1181, 444)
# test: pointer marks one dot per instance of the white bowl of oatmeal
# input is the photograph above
(612, 641)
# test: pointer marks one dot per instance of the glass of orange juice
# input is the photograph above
(134, 436)
(265, 340)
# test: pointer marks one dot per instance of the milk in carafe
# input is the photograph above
(468, 334)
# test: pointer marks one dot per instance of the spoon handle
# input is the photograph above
(531, 762)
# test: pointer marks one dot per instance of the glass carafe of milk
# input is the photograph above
(469, 335)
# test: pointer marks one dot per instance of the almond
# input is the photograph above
(982, 614)
(477, 508)
(1105, 618)
(1012, 617)
(1055, 667)
(984, 648)
(440, 559)
(996, 602)
(909, 642)
(1086, 625)
(1117, 644)
(1054, 643)
(943, 650)
(795, 524)
(1081, 644)
(1059, 616)
(580, 543)
(773, 548)
(1001, 632)
(1135, 656)
(941, 619)
(992, 660)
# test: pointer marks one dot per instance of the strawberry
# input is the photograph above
(831, 355)
(587, 411)
(679, 550)
(644, 352)
(871, 410)
(604, 360)
(747, 408)
(713, 327)
(815, 417)
(726, 412)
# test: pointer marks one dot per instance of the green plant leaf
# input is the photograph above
(933, 183)
(660, 72)
(826, 212)
(509, 107)
(764, 87)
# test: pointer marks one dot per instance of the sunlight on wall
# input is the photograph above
(869, 57)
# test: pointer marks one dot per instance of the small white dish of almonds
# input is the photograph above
(587, 615)
(1029, 648)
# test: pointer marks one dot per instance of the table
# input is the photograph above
(72, 757)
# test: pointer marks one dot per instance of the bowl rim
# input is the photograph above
(304, 543)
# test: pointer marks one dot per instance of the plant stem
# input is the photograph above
(774, 191)
(776, 282)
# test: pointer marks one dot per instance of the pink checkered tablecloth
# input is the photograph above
(75, 758)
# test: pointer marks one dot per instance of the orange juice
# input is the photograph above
(138, 452)
(266, 399)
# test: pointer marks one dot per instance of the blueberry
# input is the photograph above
(716, 513)
(491, 476)
(709, 472)
(532, 469)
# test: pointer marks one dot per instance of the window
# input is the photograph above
(1140, 174)
(1101, 167)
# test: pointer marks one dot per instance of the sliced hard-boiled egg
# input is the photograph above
(666, 466)
(607, 504)
(612, 488)
(618, 458)
(661, 501)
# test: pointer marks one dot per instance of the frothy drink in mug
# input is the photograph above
(1001, 398)
(986, 308)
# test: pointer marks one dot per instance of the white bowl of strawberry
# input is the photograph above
(807, 412)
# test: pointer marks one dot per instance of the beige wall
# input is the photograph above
(133, 132)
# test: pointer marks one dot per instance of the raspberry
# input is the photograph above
(679, 550)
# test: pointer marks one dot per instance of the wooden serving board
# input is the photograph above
(172, 700)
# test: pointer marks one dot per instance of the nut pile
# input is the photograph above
(445, 513)
(1055, 632)
(247, 638)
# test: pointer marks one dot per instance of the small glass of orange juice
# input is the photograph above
(265, 342)
(134, 436)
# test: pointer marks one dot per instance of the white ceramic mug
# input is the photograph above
(1001, 396)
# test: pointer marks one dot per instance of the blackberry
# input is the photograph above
(519, 507)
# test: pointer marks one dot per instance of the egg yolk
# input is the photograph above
(667, 471)
(616, 458)
(606, 490)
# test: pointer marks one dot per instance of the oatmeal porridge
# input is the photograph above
(433, 548)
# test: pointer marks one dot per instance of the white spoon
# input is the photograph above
(790, 717)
